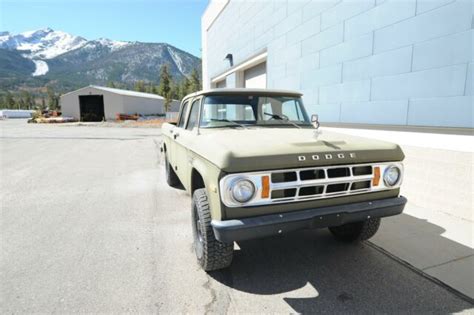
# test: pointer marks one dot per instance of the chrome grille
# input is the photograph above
(294, 185)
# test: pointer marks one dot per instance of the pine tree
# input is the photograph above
(9, 101)
(31, 101)
(140, 86)
(195, 81)
(53, 99)
(164, 89)
(174, 89)
(150, 87)
(27, 101)
(20, 102)
(184, 88)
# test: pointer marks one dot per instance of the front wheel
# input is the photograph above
(357, 231)
(211, 253)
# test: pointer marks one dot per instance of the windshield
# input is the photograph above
(253, 110)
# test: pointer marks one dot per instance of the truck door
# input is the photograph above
(184, 139)
(174, 134)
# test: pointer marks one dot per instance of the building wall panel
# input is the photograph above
(352, 58)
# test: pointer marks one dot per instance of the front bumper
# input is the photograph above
(250, 228)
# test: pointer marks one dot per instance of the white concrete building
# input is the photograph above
(93, 103)
(402, 63)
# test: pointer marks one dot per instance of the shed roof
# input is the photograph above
(121, 92)
(127, 92)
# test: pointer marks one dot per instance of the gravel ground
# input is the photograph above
(89, 225)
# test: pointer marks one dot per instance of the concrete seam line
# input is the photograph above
(447, 262)
(421, 273)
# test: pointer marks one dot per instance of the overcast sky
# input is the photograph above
(176, 22)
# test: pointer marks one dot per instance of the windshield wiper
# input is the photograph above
(229, 121)
(284, 118)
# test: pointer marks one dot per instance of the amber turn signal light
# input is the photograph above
(376, 179)
(265, 186)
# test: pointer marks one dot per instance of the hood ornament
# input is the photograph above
(316, 124)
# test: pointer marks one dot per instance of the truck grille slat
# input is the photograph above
(311, 190)
(339, 172)
(283, 193)
(312, 174)
(284, 177)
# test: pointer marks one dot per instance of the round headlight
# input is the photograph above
(391, 175)
(243, 190)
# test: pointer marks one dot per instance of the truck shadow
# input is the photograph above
(313, 273)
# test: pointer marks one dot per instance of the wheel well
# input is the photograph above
(196, 181)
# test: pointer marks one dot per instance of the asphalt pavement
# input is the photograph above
(88, 224)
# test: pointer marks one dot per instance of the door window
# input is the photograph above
(193, 115)
(182, 117)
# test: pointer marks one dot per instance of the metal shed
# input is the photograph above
(94, 103)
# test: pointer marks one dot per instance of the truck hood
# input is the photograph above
(238, 150)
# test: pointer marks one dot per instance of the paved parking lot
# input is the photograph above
(89, 225)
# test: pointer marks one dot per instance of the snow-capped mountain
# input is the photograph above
(112, 44)
(71, 60)
(47, 43)
(41, 44)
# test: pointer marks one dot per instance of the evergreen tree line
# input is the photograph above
(26, 100)
(169, 88)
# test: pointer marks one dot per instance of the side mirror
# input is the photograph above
(315, 120)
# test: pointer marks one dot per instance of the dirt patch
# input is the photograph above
(156, 123)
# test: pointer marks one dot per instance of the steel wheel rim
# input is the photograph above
(198, 243)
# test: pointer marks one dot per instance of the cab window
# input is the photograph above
(193, 115)
(182, 117)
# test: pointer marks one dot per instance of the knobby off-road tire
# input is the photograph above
(211, 254)
(171, 177)
(357, 231)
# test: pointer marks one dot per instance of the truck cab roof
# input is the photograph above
(245, 91)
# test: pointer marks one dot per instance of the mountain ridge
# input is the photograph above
(68, 61)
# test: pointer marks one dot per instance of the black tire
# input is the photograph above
(171, 177)
(210, 253)
(357, 231)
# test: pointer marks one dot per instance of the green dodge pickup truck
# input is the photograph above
(256, 165)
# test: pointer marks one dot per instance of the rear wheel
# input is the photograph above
(357, 231)
(171, 177)
(211, 253)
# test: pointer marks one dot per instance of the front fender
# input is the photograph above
(210, 175)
